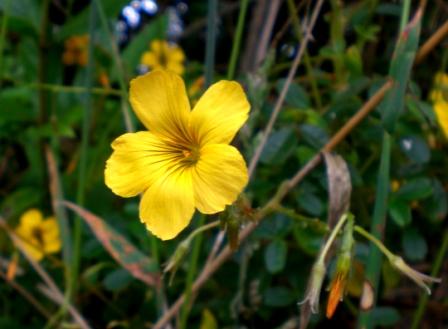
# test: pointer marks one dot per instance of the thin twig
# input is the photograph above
(433, 41)
(57, 297)
(282, 96)
(28, 296)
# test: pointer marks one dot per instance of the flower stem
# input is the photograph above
(435, 271)
(332, 237)
(192, 269)
(237, 40)
(80, 194)
(374, 240)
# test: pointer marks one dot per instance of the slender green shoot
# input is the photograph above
(118, 66)
(211, 42)
(418, 315)
(192, 270)
(3, 29)
(237, 41)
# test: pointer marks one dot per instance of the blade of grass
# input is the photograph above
(377, 226)
(392, 107)
(192, 269)
(418, 315)
(60, 213)
(80, 194)
(211, 42)
(3, 30)
(118, 66)
(237, 40)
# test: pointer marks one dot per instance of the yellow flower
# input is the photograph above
(441, 109)
(440, 90)
(439, 96)
(164, 55)
(184, 161)
(76, 51)
(39, 236)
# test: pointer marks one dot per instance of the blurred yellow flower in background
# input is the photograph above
(184, 161)
(439, 96)
(76, 50)
(164, 55)
(39, 236)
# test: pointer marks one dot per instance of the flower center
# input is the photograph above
(191, 155)
(38, 235)
(163, 58)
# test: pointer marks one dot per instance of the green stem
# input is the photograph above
(375, 241)
(3, 30)
(435, 271)
(72, 89)
(118, 66)
(377, 225)
(237, 41)
(332, 237)
(192, 269)
(80, 195)
(211, 42)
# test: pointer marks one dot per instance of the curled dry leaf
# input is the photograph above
(126, 254)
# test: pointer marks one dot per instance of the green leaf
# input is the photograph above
(126, 254)
(273, 226)
(436, 206)
(400, 71)
(385, 316)
(310, 203)
(415, 189)
(16, 105)
(22, 14)
(308, 239)
(280, 145)
(117, 280)
(400, 212)
(314, 135)
(275, 256)
(415, 148)
(278, 297)
(296, 95)
(414, 245)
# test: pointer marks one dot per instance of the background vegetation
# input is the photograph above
(58, 117)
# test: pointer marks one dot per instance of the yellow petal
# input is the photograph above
(168, 205)
(137, 160)
(30, 220)
(30, 248)
(219, 177)
(160, 101)
(176, 54)
(50, 234)
(441, 109)
(219, 113)
(149, 59)
(157, 46)
(175, 67)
